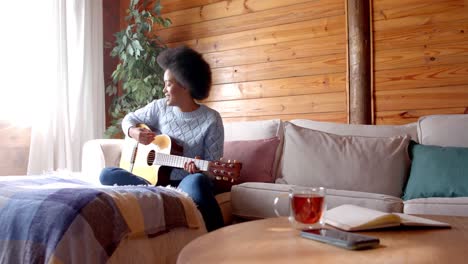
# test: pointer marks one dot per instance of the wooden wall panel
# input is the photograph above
(271, 52)
(424, 55)
(224, 9)
(278, 87)
(276, 52)
(111, 24)
(266, 18)
(270, 59)
(309, 29)
(440, 33)
(404, 117)
(336, 117)
(420, 59)
(280, 69)
(422, 98)
(174, 5)
(404, 14)
(303, 104)
(422, 77)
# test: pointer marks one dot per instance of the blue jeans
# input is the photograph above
(198, 186)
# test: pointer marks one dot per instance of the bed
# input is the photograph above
(61, 219)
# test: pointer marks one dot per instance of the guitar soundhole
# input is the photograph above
(150, 158)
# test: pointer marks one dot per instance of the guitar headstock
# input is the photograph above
(225, 170)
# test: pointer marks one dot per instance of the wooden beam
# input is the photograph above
(111, 19)
(359, 52)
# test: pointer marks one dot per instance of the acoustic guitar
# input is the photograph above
(154, 161)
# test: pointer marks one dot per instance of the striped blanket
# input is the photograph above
(47, 219)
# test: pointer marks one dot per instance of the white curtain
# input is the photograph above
(71, 110)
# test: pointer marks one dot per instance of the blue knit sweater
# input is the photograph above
(200, 132)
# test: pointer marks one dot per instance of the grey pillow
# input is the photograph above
(355, 163)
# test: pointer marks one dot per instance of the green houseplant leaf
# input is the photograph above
(137, 74)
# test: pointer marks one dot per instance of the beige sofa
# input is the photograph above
(366, 165)
(378, 186)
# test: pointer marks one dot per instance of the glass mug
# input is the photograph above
(306, 207)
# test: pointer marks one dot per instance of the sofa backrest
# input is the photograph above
(252, 130)
(444, 130)
(360, 130)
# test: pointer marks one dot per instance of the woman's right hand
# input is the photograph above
(142, 135)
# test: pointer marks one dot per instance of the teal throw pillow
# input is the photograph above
(437, 172)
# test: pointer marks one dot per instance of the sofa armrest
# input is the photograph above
(100, 153)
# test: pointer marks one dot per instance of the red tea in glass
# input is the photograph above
(306, 208)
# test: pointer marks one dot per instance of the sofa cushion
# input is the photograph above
(257, 157)
(360, 130)
(355, 163)
(444, 130)
(457, 206)
(254, 130)
(254, 200)
(437, 172)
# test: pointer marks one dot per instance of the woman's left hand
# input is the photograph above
(190, 166)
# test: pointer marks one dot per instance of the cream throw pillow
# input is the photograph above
(355, 163)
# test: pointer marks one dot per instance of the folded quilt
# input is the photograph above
(45, 218)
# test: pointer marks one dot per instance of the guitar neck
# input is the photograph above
(178, 161)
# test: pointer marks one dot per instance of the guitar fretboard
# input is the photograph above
(178, 161)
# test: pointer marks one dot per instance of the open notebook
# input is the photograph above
(354, 218)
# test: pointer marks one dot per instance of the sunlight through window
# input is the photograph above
(28, 59)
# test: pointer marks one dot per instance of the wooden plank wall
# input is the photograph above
(420, 59)
(270, 58)
(111, 22)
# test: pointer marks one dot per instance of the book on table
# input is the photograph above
(355, 218)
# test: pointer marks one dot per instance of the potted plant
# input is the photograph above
(137, 79)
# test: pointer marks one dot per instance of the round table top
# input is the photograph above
(274, 241)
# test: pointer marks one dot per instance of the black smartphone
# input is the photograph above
(340, 238)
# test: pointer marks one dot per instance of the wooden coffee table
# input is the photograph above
(274, 241)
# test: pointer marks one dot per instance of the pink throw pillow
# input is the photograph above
(257, 157)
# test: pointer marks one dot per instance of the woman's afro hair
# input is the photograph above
(189, 68)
